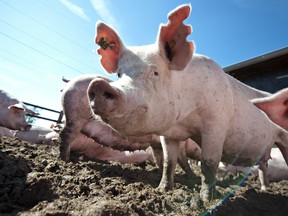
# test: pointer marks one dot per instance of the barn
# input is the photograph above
(268, 72)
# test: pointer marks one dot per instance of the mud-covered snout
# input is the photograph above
(102, 96)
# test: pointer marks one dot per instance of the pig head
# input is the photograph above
(12, 112)
(121, 103)
(126, 104)
(167, 89)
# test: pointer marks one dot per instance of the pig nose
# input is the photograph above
(103, 97)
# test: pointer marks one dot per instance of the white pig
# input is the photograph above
(38, 135)
(79, 122)
(12, 112)
(167, 89)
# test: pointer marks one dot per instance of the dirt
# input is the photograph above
(34, 181)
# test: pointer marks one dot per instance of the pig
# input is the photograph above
(12, 112)
(6, 132)
(167, 89)
(79, 122)
(275, 171)
(38, 135)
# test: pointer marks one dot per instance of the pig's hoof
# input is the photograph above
(160, 189)
(205, 196)
(263, 188)
(208, 194)
(64, 153)
(64, 157)
(163, 187)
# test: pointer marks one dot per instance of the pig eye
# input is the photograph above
(156, 73)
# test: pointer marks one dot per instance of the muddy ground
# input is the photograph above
(34, 181)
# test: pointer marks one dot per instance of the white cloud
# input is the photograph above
(75, 9)
(101, 8)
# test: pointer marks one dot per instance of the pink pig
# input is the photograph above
(167, 89)
(81, 126)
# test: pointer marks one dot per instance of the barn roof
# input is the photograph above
(267, 63)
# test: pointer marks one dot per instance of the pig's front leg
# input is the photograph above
(67, 136)
(263, 177)
(262, 170)
(170, 154)
(211, 156)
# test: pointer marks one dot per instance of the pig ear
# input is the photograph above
(172, 38)
(110, 46)
(16, 106)
(275, 106)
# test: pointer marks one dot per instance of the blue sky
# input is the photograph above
(41, 40)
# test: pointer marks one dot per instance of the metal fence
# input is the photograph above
(57, 121)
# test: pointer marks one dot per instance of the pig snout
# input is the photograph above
(23, 127)
(102, 96)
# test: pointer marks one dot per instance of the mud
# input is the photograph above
(34, 181)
